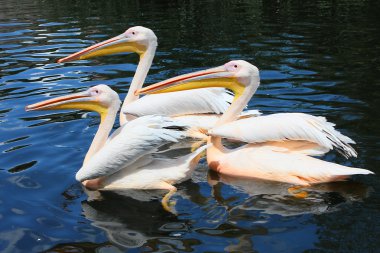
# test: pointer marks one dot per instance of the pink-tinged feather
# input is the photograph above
(269, 163)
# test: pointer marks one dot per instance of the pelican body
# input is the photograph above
(126, 161)
(280, 146)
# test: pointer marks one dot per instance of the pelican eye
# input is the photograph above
(95, 92)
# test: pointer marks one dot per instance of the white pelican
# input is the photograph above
(281, 144)
(193, 106)
(125, 162)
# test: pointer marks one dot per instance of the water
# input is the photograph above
(321, 58)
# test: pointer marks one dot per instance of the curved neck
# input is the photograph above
(233, 112)
(239, 103)
(107, 120)
(138, 80)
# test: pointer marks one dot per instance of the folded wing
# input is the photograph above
(136, 139)
(283, 127)
(207, 100)
(149, 172)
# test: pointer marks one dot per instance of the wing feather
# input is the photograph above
(287, 126)
(199, 101)
(149, 172)
(136, 139)
(200, 123)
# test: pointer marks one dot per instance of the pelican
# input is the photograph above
(126, 161)
(196, 107)
(280, 145)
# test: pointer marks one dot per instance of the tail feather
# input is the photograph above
(338, 140)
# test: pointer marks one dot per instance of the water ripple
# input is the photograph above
(318, 57)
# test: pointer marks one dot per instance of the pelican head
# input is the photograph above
(99, 99)
(136, 39)
(235, 75)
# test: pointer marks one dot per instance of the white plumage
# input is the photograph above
(207, 121)
(287, 126)
(209, 100)
(136, 139)
(194, 108)
(154, 173)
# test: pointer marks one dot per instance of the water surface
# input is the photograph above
(321, 58)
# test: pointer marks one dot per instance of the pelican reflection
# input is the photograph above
(274, 197)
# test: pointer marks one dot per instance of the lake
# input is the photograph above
(318, 57)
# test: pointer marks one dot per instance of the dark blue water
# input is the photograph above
(320, 57)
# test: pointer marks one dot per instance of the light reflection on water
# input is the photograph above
(316, 58)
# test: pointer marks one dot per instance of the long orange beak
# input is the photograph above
(214, 77)
(52, 104)
(115, 45)
(81, 100)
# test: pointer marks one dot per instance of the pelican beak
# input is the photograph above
(214, 77)
(115, 45)
(82, 101)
